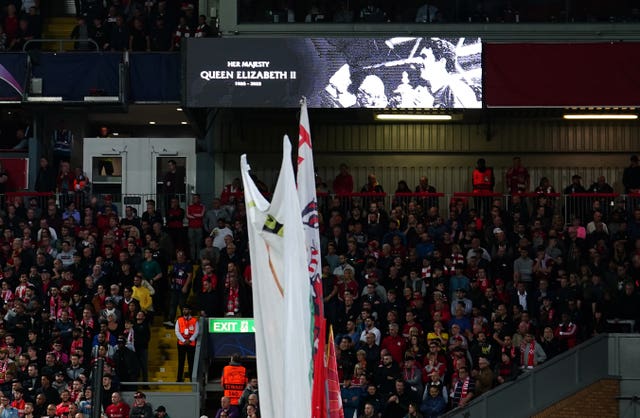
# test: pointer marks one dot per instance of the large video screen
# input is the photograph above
(381, 73)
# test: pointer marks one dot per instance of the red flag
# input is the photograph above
(333, 382)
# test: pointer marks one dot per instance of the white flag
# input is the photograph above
(280, 298)
(309, 205)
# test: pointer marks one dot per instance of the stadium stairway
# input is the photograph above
(163, 357)
(58, 28)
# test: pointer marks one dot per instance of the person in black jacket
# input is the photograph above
(142, 336)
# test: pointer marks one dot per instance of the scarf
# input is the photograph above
(465, 388)
(233, 303)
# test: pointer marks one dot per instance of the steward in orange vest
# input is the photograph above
(483, 179)
(234, 379)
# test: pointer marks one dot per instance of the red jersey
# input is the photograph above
(119, 410)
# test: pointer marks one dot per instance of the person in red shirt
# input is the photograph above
(118, 408)
(394, 343)
(343, 183)
(195, 216)
(517, 178)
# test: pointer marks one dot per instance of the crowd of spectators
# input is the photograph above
(434, 11)
(20, 21)
(152, 25)
(429, 310)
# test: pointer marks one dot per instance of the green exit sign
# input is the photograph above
(231, 325)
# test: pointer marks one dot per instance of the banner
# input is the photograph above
(281, 299)
(390, 73)
(309, 204)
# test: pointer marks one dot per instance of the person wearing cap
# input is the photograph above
(161, 412)
(126, 361)
(141, 408)
(187, 331)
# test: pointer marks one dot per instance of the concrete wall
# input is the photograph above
(597, 400)
(444, 153)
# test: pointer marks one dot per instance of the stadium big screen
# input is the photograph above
(380, 73)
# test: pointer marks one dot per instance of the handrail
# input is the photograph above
(159, 384)
(593, 194)
(418, 194)
(59, 41)
(200, 370)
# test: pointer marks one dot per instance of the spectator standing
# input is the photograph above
(46, 178)
(4, 179)
(203, 30)
(483, 181)
(187, 331)
(161, 36)
(119, 35)
(573, 204)
(195, 216)
(175, 223)
(631, 176)
(99, 33)
(183, 31)
(517, 178)
(180, 280)
(142, 335)
(234, 379)
(343, 183)
(80, 33)
(138, 37)
(372, 185)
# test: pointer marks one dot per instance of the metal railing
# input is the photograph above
(60, 42)
(569, 206)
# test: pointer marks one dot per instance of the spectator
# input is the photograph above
(118, 408)
(483, 181)
(631, 176)
(99, 33)
(141, 408)
(203, 30)
(464, 389)
(343, 183)
(187, 331)
(517, 178)
(138, 37)
(226, 409)
(119, 40)
(81, 33)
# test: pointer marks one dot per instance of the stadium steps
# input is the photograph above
(163, 357)
(58, 28)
